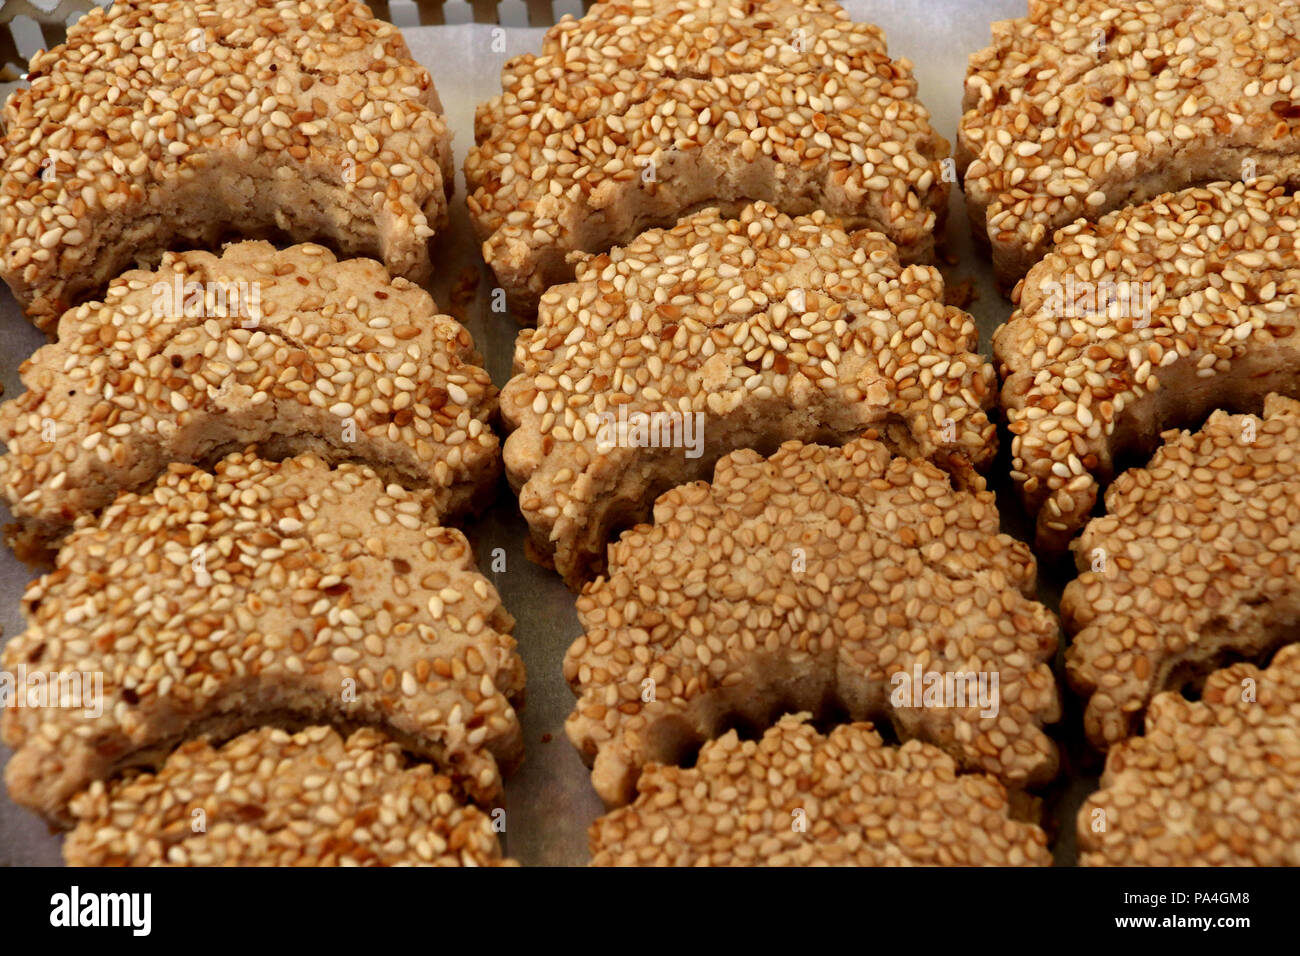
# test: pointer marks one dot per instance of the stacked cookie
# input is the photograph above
(1211, 782)
(291, 350)
(720, 334)
(179, 125)
(240, 463)
(1196, 564)
(1208, 320)
(805, 799)
(641, 111)
(1085, 107)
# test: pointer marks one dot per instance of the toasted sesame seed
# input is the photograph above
(285, 611)
(796, 798)
(612, 343)
(635, 113)
(133, 410)
(157, 148)
(1084, 366)
(816, 575)
(263, 802)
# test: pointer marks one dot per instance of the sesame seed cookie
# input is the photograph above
(1152, 317)
(737, 333)
(797, 798)
(260, 593)
(289, 349)
(1087, 106)
(162, 126)
(1196, 560)
(820, 579)
(1214, 782)
(271, 799)
(644, 110)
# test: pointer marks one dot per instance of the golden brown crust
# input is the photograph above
(259, 593)
(722, 334)
(1214, 782)
(1196, 560)
(644, 110)
(819, 578)
(290, 350)
(271, 799)
(162, 126)
(1087, 106)
(1206, 284)
(796, 798)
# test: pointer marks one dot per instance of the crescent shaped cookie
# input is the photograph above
(269, 798)
(643, 111)
(1214, 782)
(1088, 106)
(263, 592)
(837, 580)
(173, 125)
(717, 334)
(1195, 563)
(797, 798)
(291, 350)
(1150, 318)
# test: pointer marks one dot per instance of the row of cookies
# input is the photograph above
(812, 579)
(1226, 765)
(755, 321)
(240, 465)
(1127, 164)
(767, 333)
(304, 581)
(659, 352)
(687, 373)
(129, 389)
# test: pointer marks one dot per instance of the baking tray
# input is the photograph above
(549, 800)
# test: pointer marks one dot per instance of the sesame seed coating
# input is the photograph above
(643, 110)
(860, 803)
(807, 580)
(166, 125)
(338, 359)
(261, 592)
(1202, 561)
(771, 327)
(1087, 106)
(1083, 385)
(271, 799)
(1214, 782)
